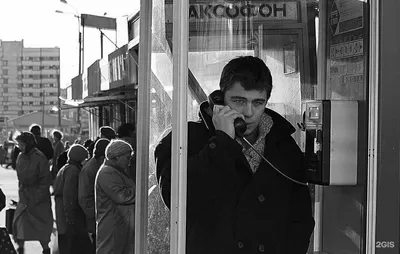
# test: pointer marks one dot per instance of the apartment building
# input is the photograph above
(29, 79)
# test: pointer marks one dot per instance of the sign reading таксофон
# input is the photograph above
(273, 11)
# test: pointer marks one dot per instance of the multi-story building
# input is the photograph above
(29, 79)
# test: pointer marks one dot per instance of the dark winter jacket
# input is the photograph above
(91, 147)
(62, 159)
(68, 210)
(230, 209)
(45, 146)
(86, 195)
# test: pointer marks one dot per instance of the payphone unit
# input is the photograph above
(331, 141)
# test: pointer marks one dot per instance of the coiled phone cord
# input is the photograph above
(265, 159)
(272, 165)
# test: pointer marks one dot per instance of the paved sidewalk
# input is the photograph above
(9, 185)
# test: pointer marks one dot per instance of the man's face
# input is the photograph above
(250, 103)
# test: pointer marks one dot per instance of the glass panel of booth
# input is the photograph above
(160, 121)
(160, 104)
(218, 34)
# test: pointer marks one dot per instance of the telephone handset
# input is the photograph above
(217, 98)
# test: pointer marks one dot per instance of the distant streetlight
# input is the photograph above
(65, 2)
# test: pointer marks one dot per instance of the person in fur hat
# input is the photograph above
(33, 218)
(72, 236)
(115, 201)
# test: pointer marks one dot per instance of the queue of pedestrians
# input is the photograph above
(93, 187)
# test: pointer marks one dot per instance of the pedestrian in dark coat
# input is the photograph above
(237, 202)
(33, 218)
(87, 179)
(70, 218)
(58, 147)
(43, 143)
(126, 132)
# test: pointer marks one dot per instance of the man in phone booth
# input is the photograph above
(246, 183)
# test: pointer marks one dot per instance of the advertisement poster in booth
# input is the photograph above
(344, 208)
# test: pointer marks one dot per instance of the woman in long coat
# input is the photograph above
(115, 202)
(33, 219)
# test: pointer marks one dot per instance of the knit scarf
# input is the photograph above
(263, 129)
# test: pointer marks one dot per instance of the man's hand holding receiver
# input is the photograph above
(223, 119)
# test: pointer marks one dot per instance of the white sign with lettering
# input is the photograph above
(272, 11)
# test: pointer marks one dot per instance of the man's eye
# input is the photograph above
(258, 103)
(239, 101)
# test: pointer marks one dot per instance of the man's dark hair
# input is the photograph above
(126, 130)
(251, 72)
(57, 134)
(36, 129)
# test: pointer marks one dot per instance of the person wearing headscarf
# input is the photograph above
(87, 178)
(72, 236)
(33, 218)
(115, 201)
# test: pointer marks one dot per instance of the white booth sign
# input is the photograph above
(261, 10)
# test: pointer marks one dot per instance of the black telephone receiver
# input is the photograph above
(206, 112)
(217, 98)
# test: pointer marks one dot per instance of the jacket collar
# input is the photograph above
(75, 163)
(114, 164)
(281, 127)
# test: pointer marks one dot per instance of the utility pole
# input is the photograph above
(81, 63)
(80, 51)
(101, 44)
